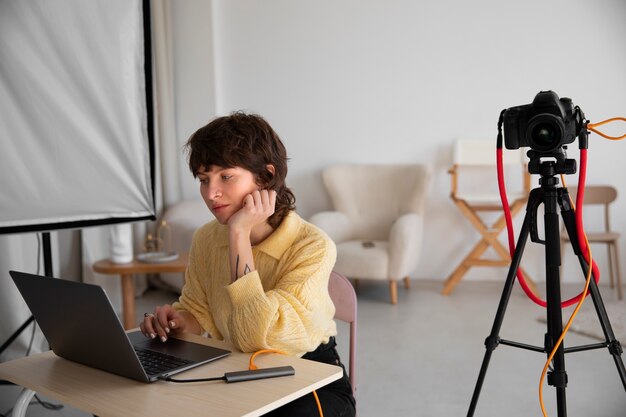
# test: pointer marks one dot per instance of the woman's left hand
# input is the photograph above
(257, 208)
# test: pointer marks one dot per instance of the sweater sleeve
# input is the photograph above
(193, 298)
(297, 314)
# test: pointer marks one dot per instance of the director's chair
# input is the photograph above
(473, 157)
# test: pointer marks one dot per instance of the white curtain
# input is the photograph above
(168, 151)
(96, 241)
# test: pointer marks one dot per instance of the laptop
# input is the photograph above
(80, 325)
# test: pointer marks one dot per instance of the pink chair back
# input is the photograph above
(344, 297)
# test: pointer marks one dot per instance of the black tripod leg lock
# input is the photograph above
(615, 348)
(492, 342)
(569, 219)
(557, 379)
(532, 207)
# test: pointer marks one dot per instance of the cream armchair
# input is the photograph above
(377, 221)
(184, 218)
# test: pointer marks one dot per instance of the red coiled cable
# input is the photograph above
(579, 226)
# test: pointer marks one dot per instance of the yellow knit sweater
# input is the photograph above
(284, 304)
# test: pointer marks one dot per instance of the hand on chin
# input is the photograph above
(255, 209)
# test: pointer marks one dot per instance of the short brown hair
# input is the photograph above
(246, 141)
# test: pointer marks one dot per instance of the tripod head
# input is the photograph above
(552, 163)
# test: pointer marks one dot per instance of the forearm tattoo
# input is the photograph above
(246, 269)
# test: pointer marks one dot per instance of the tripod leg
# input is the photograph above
(614, 346)
(558, 376)
(493, 339)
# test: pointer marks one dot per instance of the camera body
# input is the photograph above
(545, 125)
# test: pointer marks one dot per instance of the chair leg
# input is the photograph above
(355, 284)
(407, 283)
(618, 272)
(610, 248)
(393, 290)
(464, 266)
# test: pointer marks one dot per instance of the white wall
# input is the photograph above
(398, 81)
(194, 85)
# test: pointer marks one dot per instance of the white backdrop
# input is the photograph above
(398, 81)
(73, 135)
(73, 128)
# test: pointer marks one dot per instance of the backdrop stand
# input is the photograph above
(47, 266)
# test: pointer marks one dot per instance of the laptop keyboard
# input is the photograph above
(157, 362)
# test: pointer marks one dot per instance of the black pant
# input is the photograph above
(336, 398)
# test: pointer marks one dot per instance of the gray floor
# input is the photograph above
(422, 357)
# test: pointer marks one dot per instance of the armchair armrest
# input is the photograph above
(405, 244)
(336, 225)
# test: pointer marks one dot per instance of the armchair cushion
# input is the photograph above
(335, 223)
(363, 262)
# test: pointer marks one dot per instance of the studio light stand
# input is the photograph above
(554, 199)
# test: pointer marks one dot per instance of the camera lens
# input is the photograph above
(545, 132)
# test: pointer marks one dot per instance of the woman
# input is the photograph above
(258, 274)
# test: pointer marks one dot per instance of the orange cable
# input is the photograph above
(319, 405)
(569, 322)
(252, 366)
(592, 127)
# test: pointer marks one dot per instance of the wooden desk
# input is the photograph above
(126, 272)
(108, 395)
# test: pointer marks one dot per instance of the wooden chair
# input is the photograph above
(602, 195)
(344, 297)
(473, 157)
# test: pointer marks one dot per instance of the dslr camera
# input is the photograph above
(545, 125)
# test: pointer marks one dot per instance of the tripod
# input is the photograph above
(549, 195)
